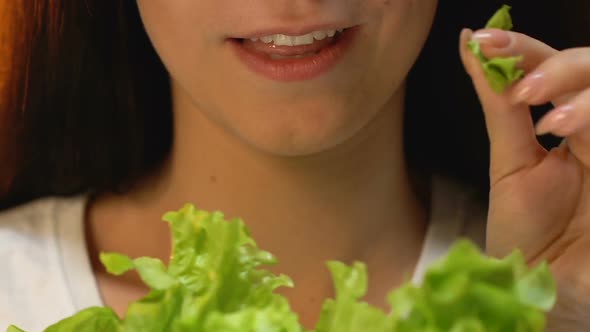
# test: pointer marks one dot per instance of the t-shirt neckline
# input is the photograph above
(445, 224)
(447, 218)
(79, 276)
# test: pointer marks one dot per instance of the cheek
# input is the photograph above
(185, 34)
(188, 40)
(171, 26)
(406, 23)
(404, 28)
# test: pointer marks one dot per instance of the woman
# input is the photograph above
(302, 137)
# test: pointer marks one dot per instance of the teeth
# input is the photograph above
(304, 40)
(266, 39)
(319, 35)
(284, 40)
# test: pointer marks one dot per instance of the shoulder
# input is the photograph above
(26, 221)
(31, 212)
(31, 273)
(36, 217)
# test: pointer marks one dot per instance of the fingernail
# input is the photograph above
(494, 37)
(528, 88)
(558, 121)
(465, 34)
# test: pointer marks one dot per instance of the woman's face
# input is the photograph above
(320, 95)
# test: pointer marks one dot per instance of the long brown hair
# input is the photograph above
(90, 101)
(86, 103)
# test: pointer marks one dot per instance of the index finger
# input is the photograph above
(513, 142)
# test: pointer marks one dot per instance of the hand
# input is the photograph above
(539, 199)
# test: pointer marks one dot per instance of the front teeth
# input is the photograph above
(284, 40)
(265, 39)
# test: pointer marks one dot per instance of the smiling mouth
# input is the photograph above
(295, 58)
(279, 46)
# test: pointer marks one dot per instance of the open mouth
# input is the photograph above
(279, 46)
(293, 58)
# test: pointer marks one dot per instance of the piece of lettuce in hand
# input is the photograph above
(501, 19)
(500, 72)
(467, 291)
(212, 284)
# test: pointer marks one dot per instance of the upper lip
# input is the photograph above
(291, 30)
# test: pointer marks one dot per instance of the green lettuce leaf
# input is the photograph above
(276, 317)
(115, 263)
(214, 283)
(347, 313)
(467, 291)
(501, 19)
(500, 72)
(89, 320)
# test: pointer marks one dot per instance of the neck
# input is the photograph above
(352, 202)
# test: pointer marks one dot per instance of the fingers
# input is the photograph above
(560, 75)
(500, 43)
(562, 78)
(571, 120)
(512, 137)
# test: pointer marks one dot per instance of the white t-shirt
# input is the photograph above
(45, 272)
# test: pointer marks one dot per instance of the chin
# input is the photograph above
(293, 137)
(301, 148)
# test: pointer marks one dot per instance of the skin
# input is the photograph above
(546, 193)
(241, 140)
(275, 153)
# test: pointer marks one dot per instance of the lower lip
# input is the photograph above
(297, 69)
